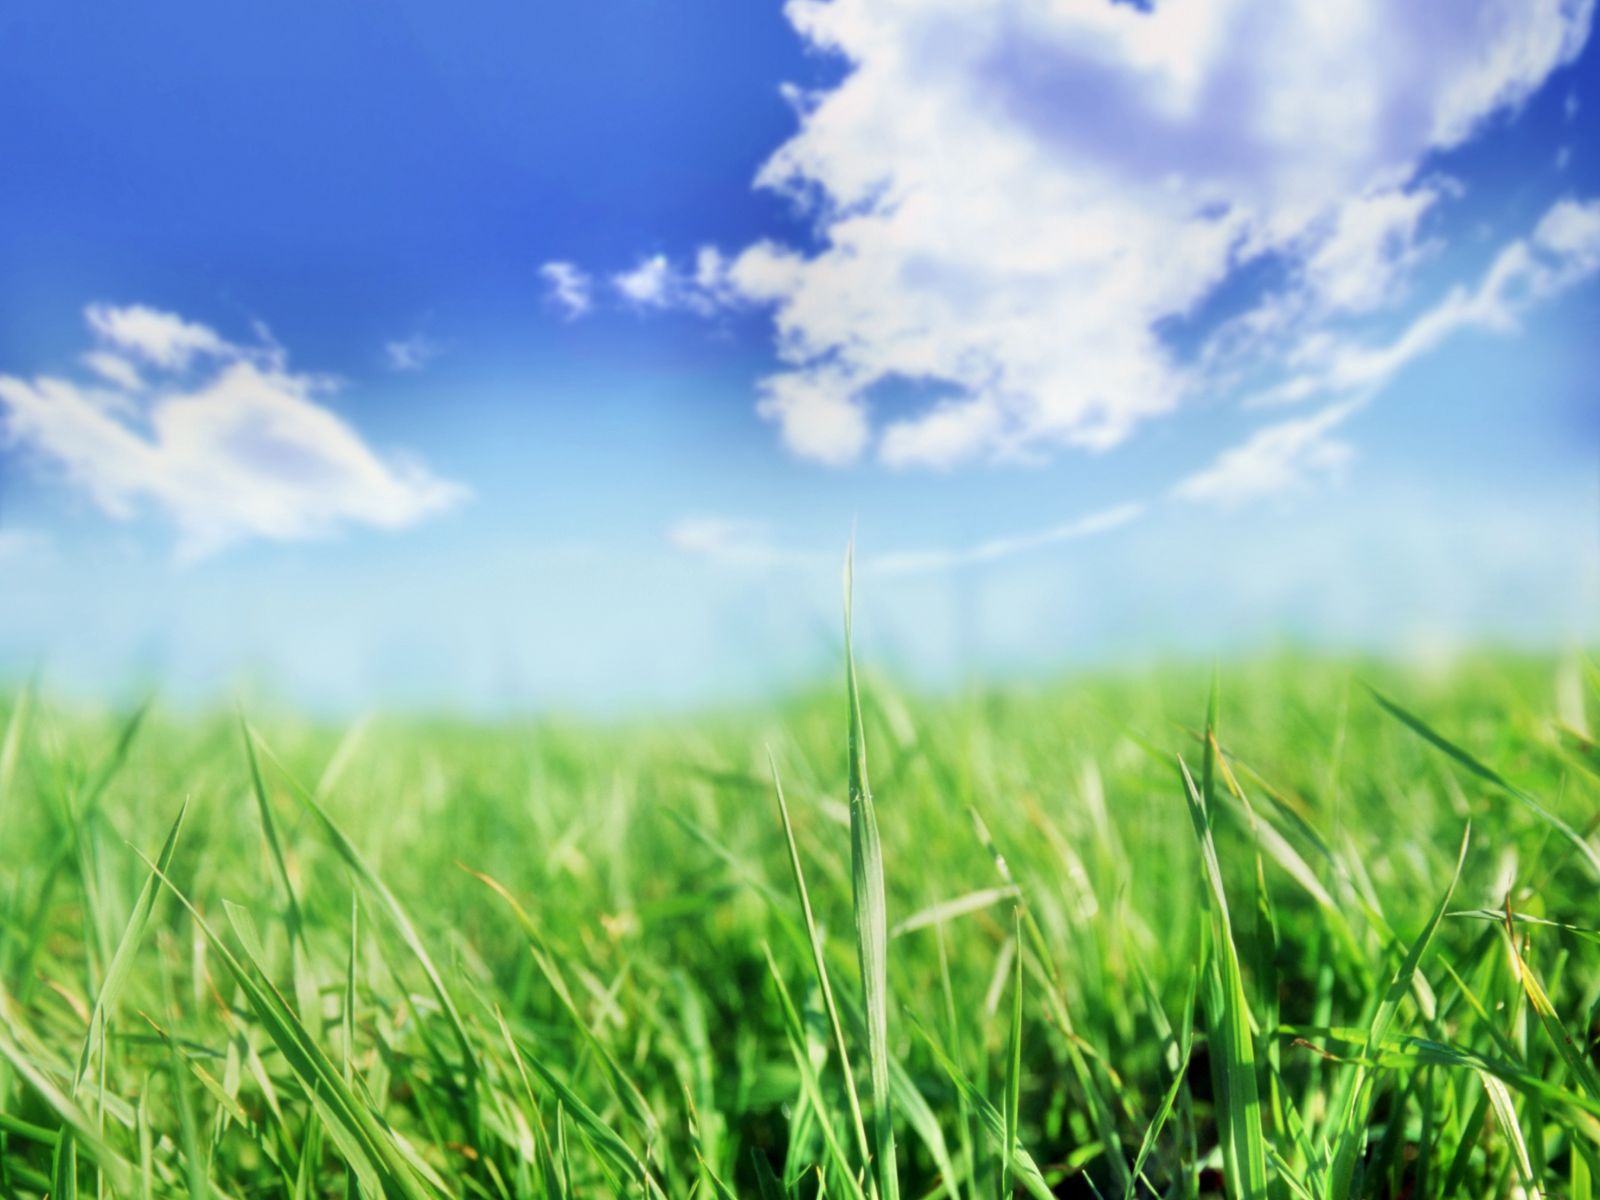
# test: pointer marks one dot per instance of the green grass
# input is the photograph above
(1121, 937)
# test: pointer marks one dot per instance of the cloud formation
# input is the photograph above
(568, 287)
(1276, 458)
(657, 283)
(226, 439)
(1013, 199)
(1562, 251)
(743, 543)
(412, 353)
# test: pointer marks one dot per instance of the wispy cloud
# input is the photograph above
(907, 562)
(1562, 251)
(114, 369)
(161, 339)
(734, 542)
(239, 447)
(658, 283)
(1274, 459)
(568, 287)
(749, 544)
(412, 353)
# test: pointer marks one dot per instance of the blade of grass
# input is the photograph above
(398, 916)
(821, 969)
(1428, 734)
(362, 1136)
(866, 877)
(1352, 1127)
(1228, 1016)
(1013, 1066)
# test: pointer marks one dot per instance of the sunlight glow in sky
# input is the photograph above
(527, 356)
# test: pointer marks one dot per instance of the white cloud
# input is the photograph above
(1370, 244)
(743, 543)
(243, 449)
(568, 287)
(161, 339)
(820, 416)
(733, 542)
(648, 284)
(905, 562)
(412, 353)
(1013, 197)
(1275, 459)
(1562, 251)
(114, 369)
(657, 283)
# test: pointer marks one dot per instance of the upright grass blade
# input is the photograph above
(366, 1142)
(872, 926)
(94, 787)
(1228, 1017)
(121, 965)
(111, 988)
(808, 1077)
(821, 968)
(1185, 1044)
(1566, 1045)
(1024, 1169)
(76, 1124)
(11, 746)
(1013, 1064)
(269, 828)
(621, 1083)
(400, 918)
(594, 1127)
(305, 984)
(1352, 1127)
(1505, 1111)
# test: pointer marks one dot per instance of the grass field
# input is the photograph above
(1069, 946)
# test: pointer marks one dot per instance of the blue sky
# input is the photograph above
(532, 356)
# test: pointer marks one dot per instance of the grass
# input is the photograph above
(1123, 937)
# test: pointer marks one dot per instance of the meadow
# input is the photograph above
(1309, 928)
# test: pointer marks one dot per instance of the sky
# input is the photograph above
(515, 357)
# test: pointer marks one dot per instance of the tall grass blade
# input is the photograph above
(1352, 1127)
(814, 937)
(1228, 1017)
(872, 926)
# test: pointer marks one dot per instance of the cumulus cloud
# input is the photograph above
(239, 447)
(821, 418)
(1012, 199)
(568, 287)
